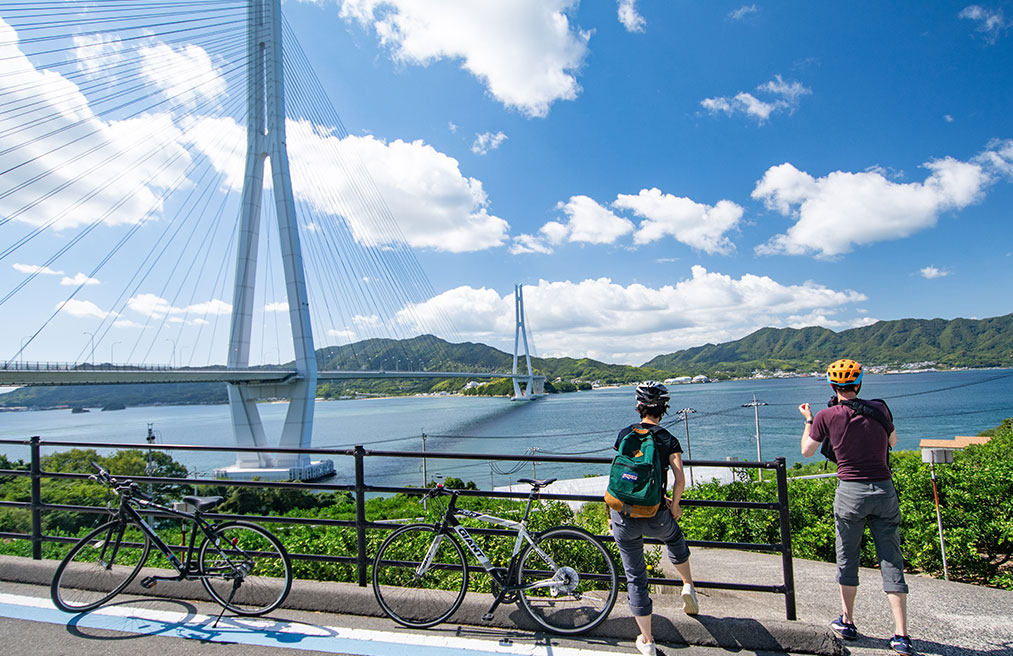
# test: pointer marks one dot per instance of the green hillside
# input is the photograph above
(950, 343)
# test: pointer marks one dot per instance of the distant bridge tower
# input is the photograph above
(534, 387)
(265, 138)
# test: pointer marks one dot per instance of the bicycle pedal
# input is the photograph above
(149, 582)
(487, 617)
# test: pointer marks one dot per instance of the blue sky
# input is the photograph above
(658, 174)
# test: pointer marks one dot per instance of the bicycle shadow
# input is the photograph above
(133, 619)
(933, 648)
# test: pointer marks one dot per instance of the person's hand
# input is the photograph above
(673, 507)
(806, 412)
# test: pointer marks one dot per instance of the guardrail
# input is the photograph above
(360, 488)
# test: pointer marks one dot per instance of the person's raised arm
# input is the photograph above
(809, 445)
(892, 440)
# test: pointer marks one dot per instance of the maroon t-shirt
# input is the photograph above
(860, 443)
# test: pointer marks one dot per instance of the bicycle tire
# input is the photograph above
(86, 579)
(410, 600)
(577, 602)
(253, 556)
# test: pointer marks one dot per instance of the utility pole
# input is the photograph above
(685, 413)
(756, 416)
(149, 467)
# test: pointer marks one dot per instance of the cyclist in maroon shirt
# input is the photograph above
(861, 433)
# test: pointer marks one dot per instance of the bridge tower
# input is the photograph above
(265, 139)
(534, 386)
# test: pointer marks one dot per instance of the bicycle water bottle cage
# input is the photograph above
(203, 503)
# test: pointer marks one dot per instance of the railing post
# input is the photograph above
(360, 516)
(786, 562)
(36, 475)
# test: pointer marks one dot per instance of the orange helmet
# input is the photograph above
(844, 372)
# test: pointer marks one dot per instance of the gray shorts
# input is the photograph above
(629, 533)
(875, 503)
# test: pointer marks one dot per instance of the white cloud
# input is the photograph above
(588, 222)
(842, 210)
(487, 141)
(78, 280)
(96, 55)
(36, 268)
(281, 306)
(86, 309)
(185, 74)
(452, 126)
(628, 16)
(931, 272)
(126, 323)
(434, 204)
(631, 324)
(61, 185)
(786, 97)
(990, 22)
(525, 51)
(154, 306)
(742, 12)
(947, 118)
(701, 226)
(529, 244)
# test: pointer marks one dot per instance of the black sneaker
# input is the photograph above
(845, 630)
(902, 645)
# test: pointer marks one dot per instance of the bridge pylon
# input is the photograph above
(265, 139)
(534, 385)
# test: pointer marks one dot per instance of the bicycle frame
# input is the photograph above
(502, 580)
(186, 570)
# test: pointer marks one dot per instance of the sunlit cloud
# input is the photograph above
(35, 269)
(784, 97)
(487, 141)
(78, 280)
(628, 16)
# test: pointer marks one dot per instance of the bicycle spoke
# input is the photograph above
(249, 554)
(99, 567)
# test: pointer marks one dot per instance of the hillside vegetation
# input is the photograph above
(950, 343)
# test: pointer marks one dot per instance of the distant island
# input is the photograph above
(884, 345)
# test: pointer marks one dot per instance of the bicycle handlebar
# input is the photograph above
(126, 487)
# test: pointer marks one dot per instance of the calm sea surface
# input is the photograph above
(925, 405)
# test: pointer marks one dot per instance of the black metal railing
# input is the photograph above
(360, 489)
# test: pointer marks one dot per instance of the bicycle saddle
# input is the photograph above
(203, 503)
(537, 484)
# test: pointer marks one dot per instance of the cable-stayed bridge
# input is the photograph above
(133, 135)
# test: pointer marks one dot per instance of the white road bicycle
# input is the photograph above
(563, 577)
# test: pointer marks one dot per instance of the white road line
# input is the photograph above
(268, 632)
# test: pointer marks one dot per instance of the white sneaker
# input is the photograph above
(689, 603)
(646, 648)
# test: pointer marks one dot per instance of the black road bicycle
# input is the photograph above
(243, 566)
(564, 577)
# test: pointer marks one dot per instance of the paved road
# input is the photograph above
(30, 624)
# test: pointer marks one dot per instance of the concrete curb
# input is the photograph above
(670, 624)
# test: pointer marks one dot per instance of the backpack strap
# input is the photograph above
(870, 411)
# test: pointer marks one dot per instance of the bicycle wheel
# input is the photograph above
(99, 566)
(245, 568)
(420, 600)
(578, 592)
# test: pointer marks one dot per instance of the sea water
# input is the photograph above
(925, 405)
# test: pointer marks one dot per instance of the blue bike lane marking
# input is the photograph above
(266, 632)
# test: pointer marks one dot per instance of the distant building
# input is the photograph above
(681, 380)
(701, 379)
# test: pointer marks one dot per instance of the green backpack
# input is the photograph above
(637, 477)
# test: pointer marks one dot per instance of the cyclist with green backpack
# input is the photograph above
(640, 508)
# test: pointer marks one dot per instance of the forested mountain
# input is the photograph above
(954, 343)
(951, 343)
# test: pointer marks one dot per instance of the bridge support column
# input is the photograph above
(520, 333)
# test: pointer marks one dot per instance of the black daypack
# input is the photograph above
(862, 408)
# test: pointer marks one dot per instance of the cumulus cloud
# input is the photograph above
(151, 305)
(184, 73)
(36, 269)
(78, 280)
(604, 320)
(742, 12)
(931, 272)
(434, 204)
(276, 307)
(60, 185)
(841, 210)
(526, 52)
(628, 16)
(83, 309)
(701, 226)
(990, 22)
(487, 141)
(784, 97)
